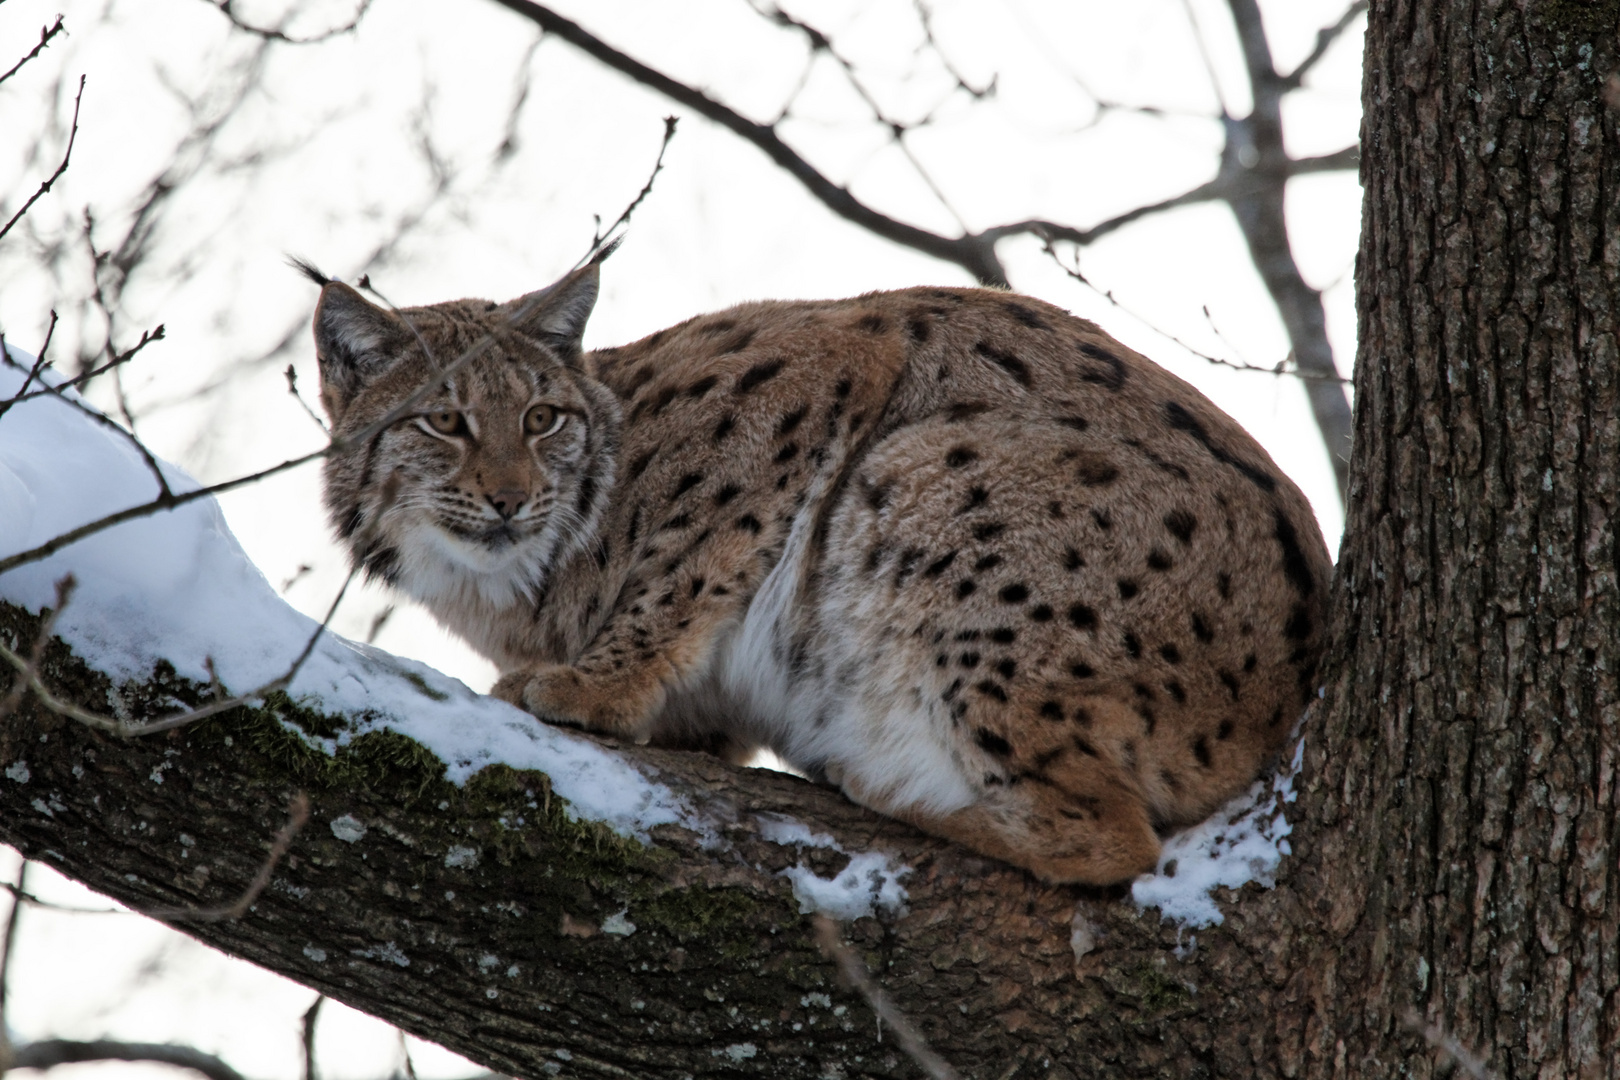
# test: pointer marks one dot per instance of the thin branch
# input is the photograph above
(297, 815)
(292, 388)
(45, 35)
(1468, 1060)
(1324, 41)
(60, 169)
(35, 901)
(857, 978)
(33, 373)
(227, 8)
(147, 337)
(28, 673)
(307, 1036)
(49, 1053)
(124, 729)
(7, 946)
(646, 189)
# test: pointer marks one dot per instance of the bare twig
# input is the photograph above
(125, 729)
(855, 975)
(1325, 38)
(227, 8)
(7, 946)
(297, 815)
(29, 672)
(1468, 1060)
(601, 235)
(147, 337)
(307, 1035)
(378, 621)
(33, 373)
(292, 388)
(35, 901)
(60, 169)
(49, 1053)
(45, 36)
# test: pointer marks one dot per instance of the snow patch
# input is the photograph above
(176, 586)
(618, 924)
(18, 771)
(1243, 841)
(870, 882)
(348, 828)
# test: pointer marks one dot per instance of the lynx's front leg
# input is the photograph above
(658, 640)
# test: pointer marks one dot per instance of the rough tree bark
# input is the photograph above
(1456, 875)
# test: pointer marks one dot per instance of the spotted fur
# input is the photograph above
(957, 552)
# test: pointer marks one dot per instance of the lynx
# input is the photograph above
(952, 550)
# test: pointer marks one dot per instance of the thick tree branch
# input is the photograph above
(489, 920)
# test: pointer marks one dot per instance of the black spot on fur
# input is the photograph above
(1079, 423)
(1177, 692)
(1182, 420)
(1014, 594)
(908, 563)
(842, 388)
(1102, 518)
(1294, 564)
(966, 410)
(969, 660)
(1085, 747)
(749, 523)
(638, 378)
(1229, 681)
(1054, 510)
(1113, 377)
(918, 328)
(716, 328)
(726, 494)
(1223, 585)
(679, 521)
(1041, 613)
(1181, 525)
(639, 466)
(1224, 731)
(1072, 559)
(1096, 472)
(724, 427)
(939, 565)
(968, 635)
(1158, 560)
(761, 372)
(989, 530)
(876, 495)
(1171, 654)
(1133, 645)
(1051, 710)
(1006, 361)
(1299, 624)
(1083, 617)
(958, 456)
(1127, 589)
(1026, 316)
(1003, 635)
(787, 453)
(952, 690)
(738, 343)
(1276, 718)
(661, 402)
(1250, 663)
(989, 740)
(991, 690)
(586, 496)
(697, 586)
(688, 482)
(965, 588)
(702, 386)
(1201, 629)
(977, 497)
(1007, 669)
(989, 562)
(792, 420)
(872, 323)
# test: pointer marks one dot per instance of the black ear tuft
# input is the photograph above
(354, 339)
(308, 270)
(555, 316)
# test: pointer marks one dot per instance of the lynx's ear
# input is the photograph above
(555, 315)
(354, 339)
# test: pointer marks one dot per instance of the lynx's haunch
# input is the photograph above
(953, 550)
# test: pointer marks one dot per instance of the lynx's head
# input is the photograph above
(474, 453)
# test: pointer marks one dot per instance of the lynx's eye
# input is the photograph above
(447, 422)
(543, 420)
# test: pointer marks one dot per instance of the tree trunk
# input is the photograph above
(1460, 801)
(1456, 870)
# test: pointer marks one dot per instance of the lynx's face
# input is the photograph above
(497, 471)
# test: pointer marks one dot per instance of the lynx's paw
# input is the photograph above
(566, 696)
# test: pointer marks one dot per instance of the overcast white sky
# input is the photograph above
(323, 160)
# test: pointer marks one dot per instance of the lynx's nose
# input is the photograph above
(507, 503)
